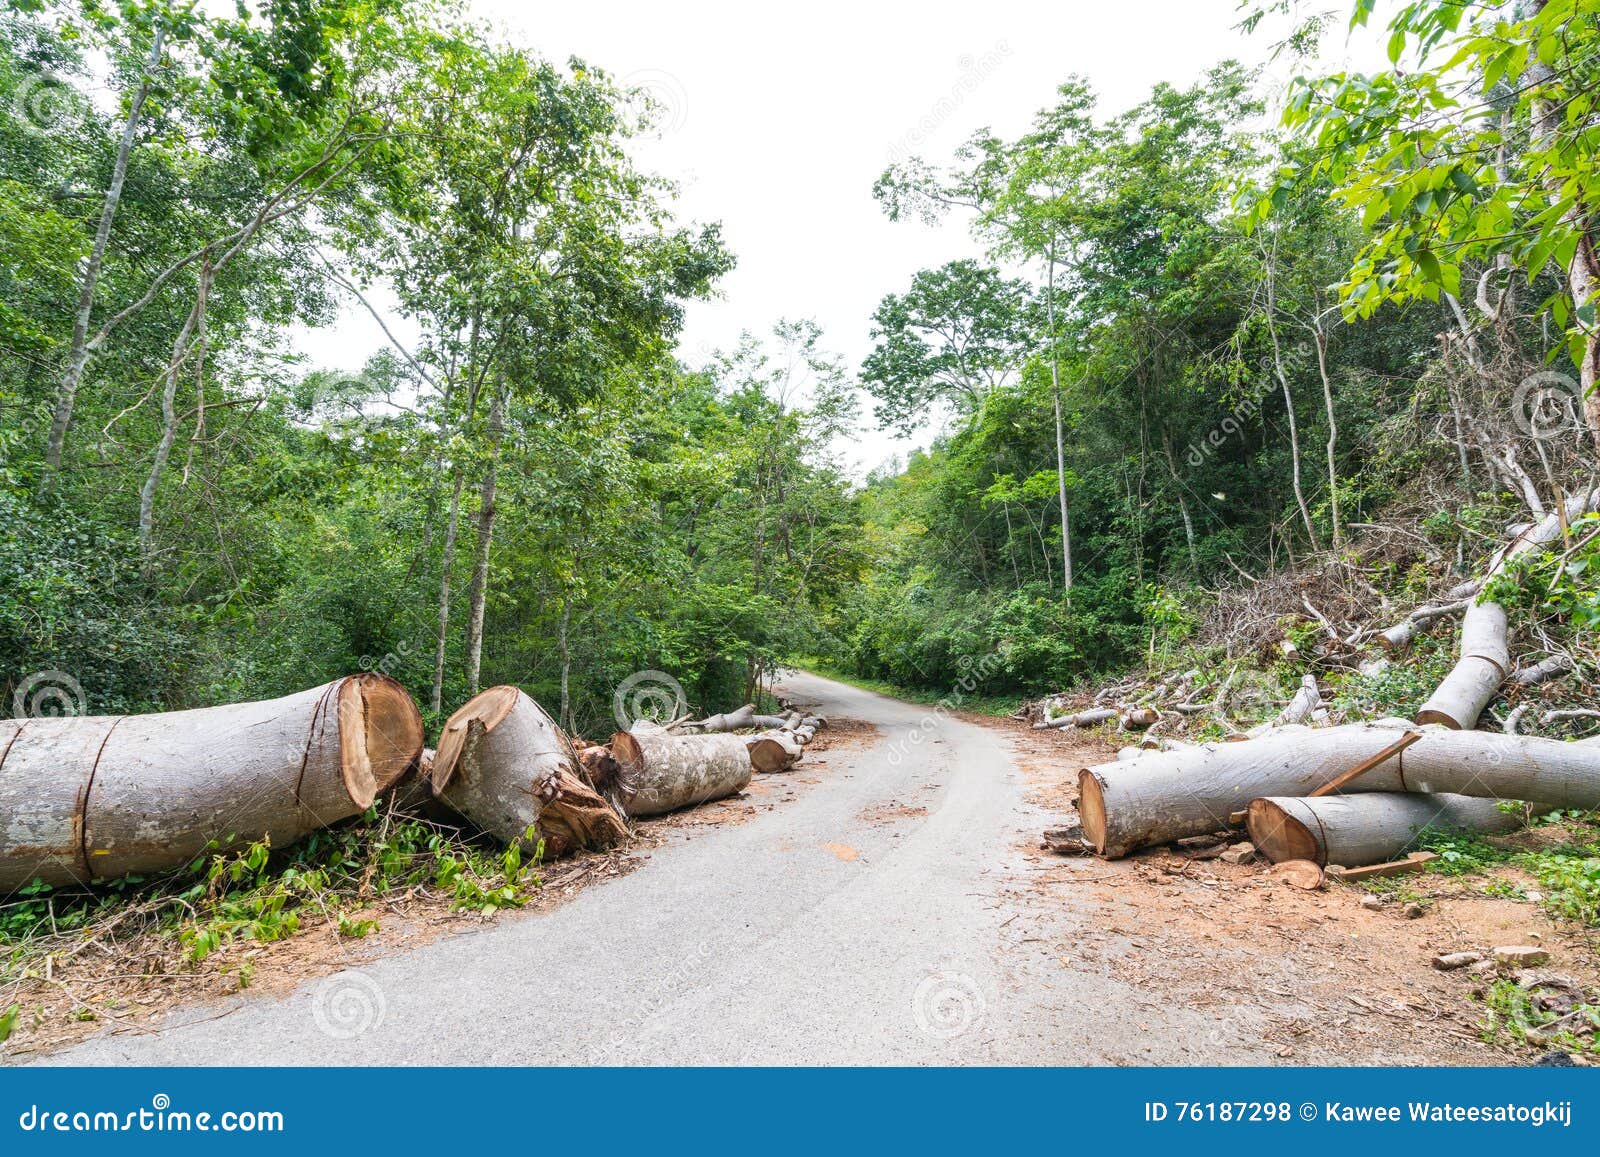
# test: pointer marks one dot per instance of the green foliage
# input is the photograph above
(250, 892)
(1514, 1013)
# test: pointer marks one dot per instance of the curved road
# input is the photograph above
(844, 926)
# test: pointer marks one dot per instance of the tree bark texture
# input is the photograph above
(663, 772)
(88, 798)
(1163, 796)
(1367, 828)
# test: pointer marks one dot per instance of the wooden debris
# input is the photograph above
(1413, 863)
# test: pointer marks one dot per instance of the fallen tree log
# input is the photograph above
(663, 772)
(736, 720)
(773, 751)
(1542, 671)
(1366, 828)
(1484, 664)
(88, 798)
(1078, 719)
(504, 764)
(1164, 796)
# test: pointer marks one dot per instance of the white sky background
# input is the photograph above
(779, 119)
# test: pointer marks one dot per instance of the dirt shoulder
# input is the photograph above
(1330, 977)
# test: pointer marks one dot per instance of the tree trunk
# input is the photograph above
(1484, 664)
(505, 765)
(89, 798)
(1370, 828)
(1061, 454)
(1320, 337)
(1288, 400)
(452, 523)
(662, 772)
(479, 592)
(195, 323)
(78, 351)
(1165, 796)
(736, 720)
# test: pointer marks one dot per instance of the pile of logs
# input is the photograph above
(85, 799)
(1351, 794)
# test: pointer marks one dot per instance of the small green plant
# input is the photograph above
(1513, 1013)
(1459, 853)
(252, 892)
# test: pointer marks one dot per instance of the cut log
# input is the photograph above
(773, 751)
(504, 764)
(578, 817)
(1164, 796)
(1306, 700)
(1138, 718)
(1302, 874)
(90, 798)
(665, 772)
(1366, 828)
(1542, 671)
(1484, 664)
(736, 720)
(1078, 719)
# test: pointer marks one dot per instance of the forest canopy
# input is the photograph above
(1210, 338)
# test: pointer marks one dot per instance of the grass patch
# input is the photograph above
(251, 892)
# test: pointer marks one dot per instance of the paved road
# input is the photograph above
(762, 942)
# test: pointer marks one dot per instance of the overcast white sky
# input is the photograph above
(779, 118)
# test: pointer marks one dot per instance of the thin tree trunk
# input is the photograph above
(169, 415)
(1288, 399)
(566, 662)
(452, 523)
(1320, 337)
(1055, 392)
(78, 351)
(479, 591)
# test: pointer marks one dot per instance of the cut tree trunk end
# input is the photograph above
(1366, 828)
(663, 772)
(90, 798)
(504, 764)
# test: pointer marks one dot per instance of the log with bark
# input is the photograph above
(504, 764)
(1163, 796)
(1484, 664)
(740, 719)
(1366, 828)
(663, 772)
(88, 798)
